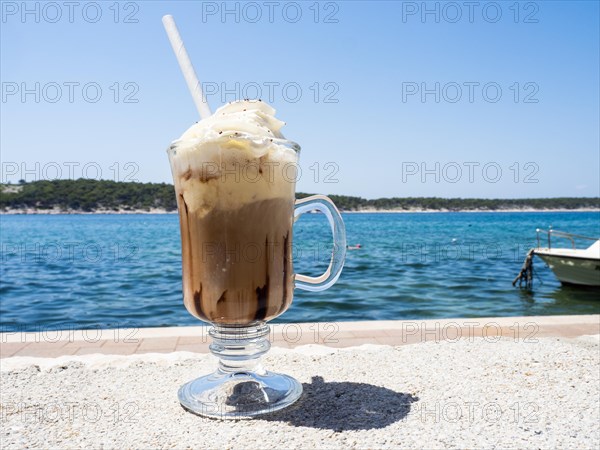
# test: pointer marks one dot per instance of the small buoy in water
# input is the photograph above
(354, 247)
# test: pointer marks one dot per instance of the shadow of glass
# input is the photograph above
(342, 406)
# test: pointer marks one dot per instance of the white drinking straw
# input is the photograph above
(186, 67)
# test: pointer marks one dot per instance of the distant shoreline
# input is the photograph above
(84, 196)
(32, 211)
(513, 210)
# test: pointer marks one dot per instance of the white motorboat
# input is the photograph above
(571, 265)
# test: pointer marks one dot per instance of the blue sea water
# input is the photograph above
(89, 271)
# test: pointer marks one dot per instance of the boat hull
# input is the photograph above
(574, 270)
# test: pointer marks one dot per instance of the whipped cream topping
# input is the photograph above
(234, 157)
(253, 118)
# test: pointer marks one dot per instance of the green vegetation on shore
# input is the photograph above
(462, 204)
(91, 195)
(88, 195)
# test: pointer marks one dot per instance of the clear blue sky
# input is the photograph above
(374, 58)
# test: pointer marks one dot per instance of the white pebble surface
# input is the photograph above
(473, 393)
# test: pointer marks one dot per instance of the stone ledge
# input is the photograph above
(53, 343)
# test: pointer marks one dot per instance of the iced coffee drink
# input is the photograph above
(234, 175)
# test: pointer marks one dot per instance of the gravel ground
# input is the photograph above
(470, 393)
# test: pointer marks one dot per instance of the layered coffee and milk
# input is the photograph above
(234, 178)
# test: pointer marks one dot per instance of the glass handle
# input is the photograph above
(338, 255)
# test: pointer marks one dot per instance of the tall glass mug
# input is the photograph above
(236, 202)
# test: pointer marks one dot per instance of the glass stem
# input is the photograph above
(239, 348)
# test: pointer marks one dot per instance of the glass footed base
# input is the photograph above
(239, 395)
(240, 387)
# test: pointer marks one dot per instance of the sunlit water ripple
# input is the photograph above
(88, 271)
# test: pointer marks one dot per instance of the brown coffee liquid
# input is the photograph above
(237, 263)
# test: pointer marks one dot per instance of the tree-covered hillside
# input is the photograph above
(89, 195)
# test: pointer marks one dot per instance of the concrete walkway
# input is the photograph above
(53, 343)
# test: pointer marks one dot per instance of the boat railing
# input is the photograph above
(560, 234)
